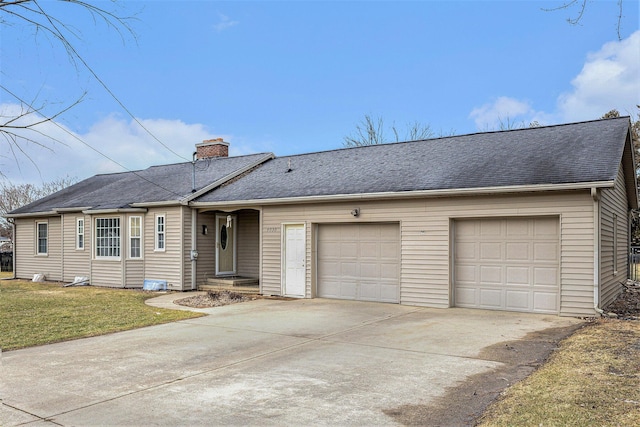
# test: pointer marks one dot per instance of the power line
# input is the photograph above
(70, 48)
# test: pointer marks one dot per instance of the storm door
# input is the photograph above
(226, 226)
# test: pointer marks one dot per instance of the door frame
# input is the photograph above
(283, 257)
(234, 231)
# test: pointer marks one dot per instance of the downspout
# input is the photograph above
(194, 248)
(595, 195)
(13, 246)
(194, 228)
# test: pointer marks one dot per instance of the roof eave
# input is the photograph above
(112, 211)
(413, 194)
(31, 214)
(156, 204)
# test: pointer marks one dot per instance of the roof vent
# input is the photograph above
(211, 148)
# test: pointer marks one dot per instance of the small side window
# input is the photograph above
(80, 233)
(160, 233)
(42, 244)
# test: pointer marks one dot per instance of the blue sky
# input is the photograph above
(298, 76)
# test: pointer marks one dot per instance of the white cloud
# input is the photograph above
(610, 78)
(224, 22)
(503, 110)
(121, 140)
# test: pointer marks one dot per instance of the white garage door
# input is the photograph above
(359, 262)
(507, 264)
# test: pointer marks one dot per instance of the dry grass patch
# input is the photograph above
(42, 313)
(593, 379)
(6, 274)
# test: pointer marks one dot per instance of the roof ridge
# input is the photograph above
(451, 137)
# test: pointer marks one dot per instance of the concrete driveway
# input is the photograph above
(297, 362)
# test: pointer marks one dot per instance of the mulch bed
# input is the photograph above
(627, 304)
(215, 299)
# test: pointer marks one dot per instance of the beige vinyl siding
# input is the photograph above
(167, 264)
(27, 262)
(613, 203)
(206, 244)
(134, 273)
(425, 233)
(107, 273)
(77, 262)
(248, 243)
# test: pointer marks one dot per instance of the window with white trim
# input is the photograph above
(107, 237)
(80, 233)
(160, 232)
(42, 244)
(135, 237)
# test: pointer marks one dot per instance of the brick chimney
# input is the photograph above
(212, 148)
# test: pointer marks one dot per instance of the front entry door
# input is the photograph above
(226, 226)
(294, 260)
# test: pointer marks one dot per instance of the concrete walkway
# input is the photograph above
(263, 362)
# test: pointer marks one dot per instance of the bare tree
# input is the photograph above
(581, 5)
(372, 131)
(23, 127)
(14, 196)
(635, 133)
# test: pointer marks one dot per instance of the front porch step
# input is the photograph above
(243, 285)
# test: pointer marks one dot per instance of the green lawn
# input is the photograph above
(41, 313)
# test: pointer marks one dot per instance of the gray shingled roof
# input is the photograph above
(562, 154)
(155, 184)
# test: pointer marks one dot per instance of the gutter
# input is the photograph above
(32, 214)
(111, 211)
(156, 204)
(412, 194)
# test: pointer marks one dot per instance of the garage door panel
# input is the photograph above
(545, 302)
(490, 298)
(518, 228)
(347, 269)
(348, 250)
(369, 250)
(369, 270)
(518, 276)
(545, 276)
(465, 251)
(545, 251)
(507, 263)
(546, 228)
(490, 251)
(517, 300)
(491, 274)
(517, 251)
(465, 274)
(390, 272)
(368, 267)
(466, 297)
(490, 228)
(389, 251)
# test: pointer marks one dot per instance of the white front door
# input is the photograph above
(226, 226)
(294, 250)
